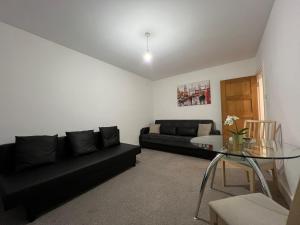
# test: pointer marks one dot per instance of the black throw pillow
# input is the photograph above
(110, 136)
(168, 130)
(32, 151)
(82, 142)
(187, 131)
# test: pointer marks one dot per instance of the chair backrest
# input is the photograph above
(294, 215)
(261, 129)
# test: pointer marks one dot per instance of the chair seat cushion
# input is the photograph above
(250, 209)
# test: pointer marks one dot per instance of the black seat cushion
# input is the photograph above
(82, 142)
(110, 136)
(187, 131)
(69, 171)
(33, 151)
(169, 130)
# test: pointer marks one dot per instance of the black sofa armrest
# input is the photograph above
(215, 132)
(144, 130)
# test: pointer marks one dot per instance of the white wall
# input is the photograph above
(165, 91)
(279, 57)
(46, 88)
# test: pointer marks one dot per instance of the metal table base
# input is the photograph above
(213, 166)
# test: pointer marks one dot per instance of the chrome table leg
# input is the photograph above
(213, 164)
(261, 177)
(213, 177)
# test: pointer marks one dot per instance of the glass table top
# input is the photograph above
(251, 148)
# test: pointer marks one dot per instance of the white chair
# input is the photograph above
(257, 129)
(254, 209)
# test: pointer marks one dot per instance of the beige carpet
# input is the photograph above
(161, 190)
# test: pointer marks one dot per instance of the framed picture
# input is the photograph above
(197, 93)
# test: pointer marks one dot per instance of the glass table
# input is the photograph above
(249, 151)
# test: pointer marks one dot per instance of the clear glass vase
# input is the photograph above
(237, 141)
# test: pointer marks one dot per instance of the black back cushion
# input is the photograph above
(187, 131)
(63, 152)
(82, 142)
(110, 136)
(184, 123)
(169, 130)
(32, 151)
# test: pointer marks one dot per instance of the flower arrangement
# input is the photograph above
(231, 120)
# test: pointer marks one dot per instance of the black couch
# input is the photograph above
(42, 188)
(176, 143)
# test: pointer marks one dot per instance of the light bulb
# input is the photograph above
(148, 57)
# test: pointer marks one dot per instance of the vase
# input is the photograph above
(237, 141)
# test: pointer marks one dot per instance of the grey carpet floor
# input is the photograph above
(161, 190)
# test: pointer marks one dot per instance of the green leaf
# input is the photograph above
(233, 132)
(244, 129)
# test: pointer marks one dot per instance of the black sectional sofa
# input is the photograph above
(176, 143)
(40, 189)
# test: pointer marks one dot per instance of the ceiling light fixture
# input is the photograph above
(147, 54)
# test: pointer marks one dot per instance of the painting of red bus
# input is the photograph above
(197, 93)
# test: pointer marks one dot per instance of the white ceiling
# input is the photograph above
(187, 35)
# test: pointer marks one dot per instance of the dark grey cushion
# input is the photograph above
(110, 136)
(82, 142)
(32, 151)
(187, 131)
(169, 130)
(169, 140)
(183, 123)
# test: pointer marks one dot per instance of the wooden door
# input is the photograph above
(239, 97)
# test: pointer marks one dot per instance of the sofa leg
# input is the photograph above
(30, 216)
(134, 163)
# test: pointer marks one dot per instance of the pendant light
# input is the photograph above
(147, 55)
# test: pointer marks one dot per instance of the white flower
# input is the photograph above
(235, 118)
(230, 120)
